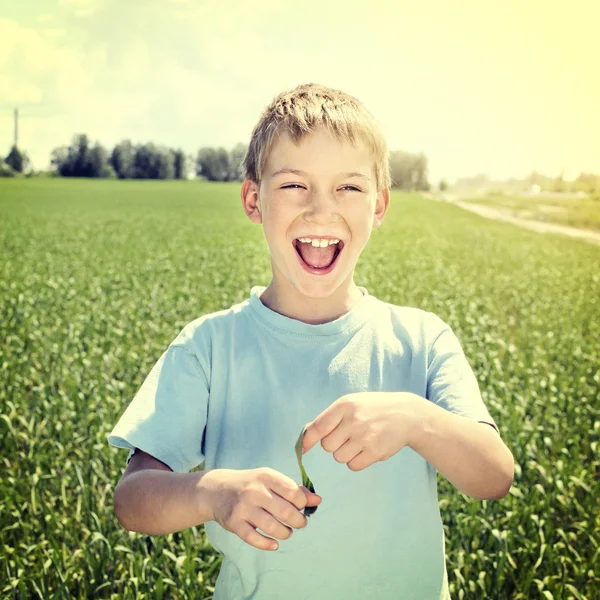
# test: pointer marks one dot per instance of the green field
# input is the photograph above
(583, 213)
(98, 277)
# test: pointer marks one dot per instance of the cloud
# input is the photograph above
(16, 91)
(82, 8)
(53, 32)
(58, 91)
(165, 88)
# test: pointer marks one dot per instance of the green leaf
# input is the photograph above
(306, 482)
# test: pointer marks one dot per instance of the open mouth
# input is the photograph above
(316, 260)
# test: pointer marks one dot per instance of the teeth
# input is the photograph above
(318, 243)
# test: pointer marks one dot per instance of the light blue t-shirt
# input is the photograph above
(233, 391)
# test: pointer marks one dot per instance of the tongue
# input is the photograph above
(316, 257)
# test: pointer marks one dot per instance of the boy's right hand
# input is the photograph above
(242, 500)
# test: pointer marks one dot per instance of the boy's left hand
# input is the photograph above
(365, 427)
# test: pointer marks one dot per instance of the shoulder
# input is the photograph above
(410, 321)
(197, 335)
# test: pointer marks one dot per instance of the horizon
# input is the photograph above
(503, 91)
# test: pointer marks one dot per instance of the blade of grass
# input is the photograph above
(306, 482)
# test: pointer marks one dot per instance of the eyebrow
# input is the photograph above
(305, 174)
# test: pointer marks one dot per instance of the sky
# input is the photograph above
(478, 86)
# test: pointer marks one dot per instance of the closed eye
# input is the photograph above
(295, 185)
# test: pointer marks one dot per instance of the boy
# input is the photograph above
(386, 389)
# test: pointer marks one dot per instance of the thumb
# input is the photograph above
(310, 494)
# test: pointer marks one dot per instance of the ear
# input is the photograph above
(250, 201)
(381, 205)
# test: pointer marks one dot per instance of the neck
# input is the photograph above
(314, 311)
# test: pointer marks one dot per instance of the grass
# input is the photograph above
(583, 213)
(98, 277)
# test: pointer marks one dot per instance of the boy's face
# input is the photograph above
(324, 201)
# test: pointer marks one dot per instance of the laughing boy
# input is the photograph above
(386, 391)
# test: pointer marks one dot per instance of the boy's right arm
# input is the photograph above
(150, 498)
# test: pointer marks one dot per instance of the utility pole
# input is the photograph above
(16, 126)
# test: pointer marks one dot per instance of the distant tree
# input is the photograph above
(443, 185)
(222, 165)
(419, 173)
(399, 167)
(82, 166)
(99, 165)
(408, 171)
(163, 164)
(81, 160)
(18, 161)
(121, 159)
(58, 159)
(203, 161)
(236, 157)
(70, 161)
(559, 183)
(142, 161)
(180, 164)
(152, 162)
(535, 178)
(213, 164)
(587, 182)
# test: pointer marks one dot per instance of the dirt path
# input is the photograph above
(539, 226)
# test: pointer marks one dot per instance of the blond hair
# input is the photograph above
(300, 111)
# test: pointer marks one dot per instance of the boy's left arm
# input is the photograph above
(469, 453)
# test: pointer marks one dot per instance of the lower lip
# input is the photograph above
(314, 271)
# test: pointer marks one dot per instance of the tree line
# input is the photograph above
(148, 161)
(144, 161)
(585, 182)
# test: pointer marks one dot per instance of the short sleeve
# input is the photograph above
(167, 417)
(451, 383)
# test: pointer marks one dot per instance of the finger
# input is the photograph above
(310, 496)
(314, 500)
(322, 426)
(346, 452)
(315, 432)
(360, 462)
(286, 512)
(247, 533)
(266, 521)
(338, 438)
(288, 490)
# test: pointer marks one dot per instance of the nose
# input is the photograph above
(321, 208)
